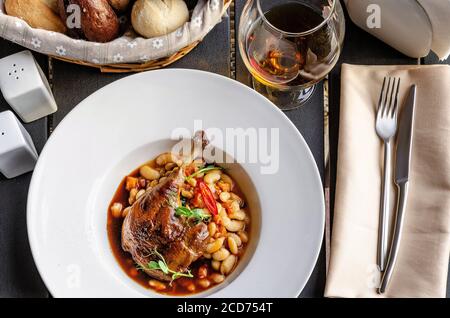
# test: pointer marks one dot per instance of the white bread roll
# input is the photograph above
(153, 18)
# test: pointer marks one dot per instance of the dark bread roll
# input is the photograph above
(73, 32)
(99, 22)
(119, 5)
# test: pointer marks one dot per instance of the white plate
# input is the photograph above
(130, 121)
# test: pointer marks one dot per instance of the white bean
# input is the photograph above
(224, 196)
(224, 217)
(238, 215)
(234, 225)
(221, 254)
(212, 228)
(228, 264)
(217, 278)
(237, 198)
(170, 166)
(156, 284)
(234, 206)
(116, 209)
(126, 211)
(212, 177)
(215, 265)
(202, 271)
(132, 196)
(204, 283)
(166, 158)
(236, 238)
(243, 235)
(224, 186)
(149, 173)
(215, 246)
(212, 188)
(191, 287)
(192, 182)
(187, 194)
(162, 179)
(227, 179)
(232, 245)
(220, 208)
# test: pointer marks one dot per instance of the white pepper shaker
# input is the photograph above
(25, 87)
(17, 152)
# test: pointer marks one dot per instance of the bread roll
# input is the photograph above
(99, 23)
(152, 18)
(36, 13)
(76, 33)
(119, 5)
(52, 4)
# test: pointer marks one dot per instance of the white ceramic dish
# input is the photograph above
(129, 122)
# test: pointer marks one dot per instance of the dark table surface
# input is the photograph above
(217, 53)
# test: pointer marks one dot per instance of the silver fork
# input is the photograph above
(386, 127)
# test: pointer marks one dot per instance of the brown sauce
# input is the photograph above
(179, 287)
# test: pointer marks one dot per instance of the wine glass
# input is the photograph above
(290, 45)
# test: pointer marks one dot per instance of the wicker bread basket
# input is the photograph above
(129, 53)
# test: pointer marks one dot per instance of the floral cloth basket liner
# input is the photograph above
(129, 48)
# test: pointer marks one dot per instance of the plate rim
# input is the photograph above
(85, 102)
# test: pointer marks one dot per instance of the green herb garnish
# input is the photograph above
(197, 214)
(162, 266)
(203, 170)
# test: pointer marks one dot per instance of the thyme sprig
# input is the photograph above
(196, 214)
(203, 170)
(162, 266)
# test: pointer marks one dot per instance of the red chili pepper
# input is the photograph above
(208, 197)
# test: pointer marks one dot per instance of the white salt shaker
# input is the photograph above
(25, 87)
(17, 152)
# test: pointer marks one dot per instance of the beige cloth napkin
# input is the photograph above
(438, 11)
(423, 260)
(414, 27)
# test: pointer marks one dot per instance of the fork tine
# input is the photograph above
(380, 102)
(395, 108)
(391, 99)
(386, 96)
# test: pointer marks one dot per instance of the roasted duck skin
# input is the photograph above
(151, 225)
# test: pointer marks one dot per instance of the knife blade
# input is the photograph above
(402, 168)
(404, 139)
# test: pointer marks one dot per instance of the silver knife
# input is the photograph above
(402, 167)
